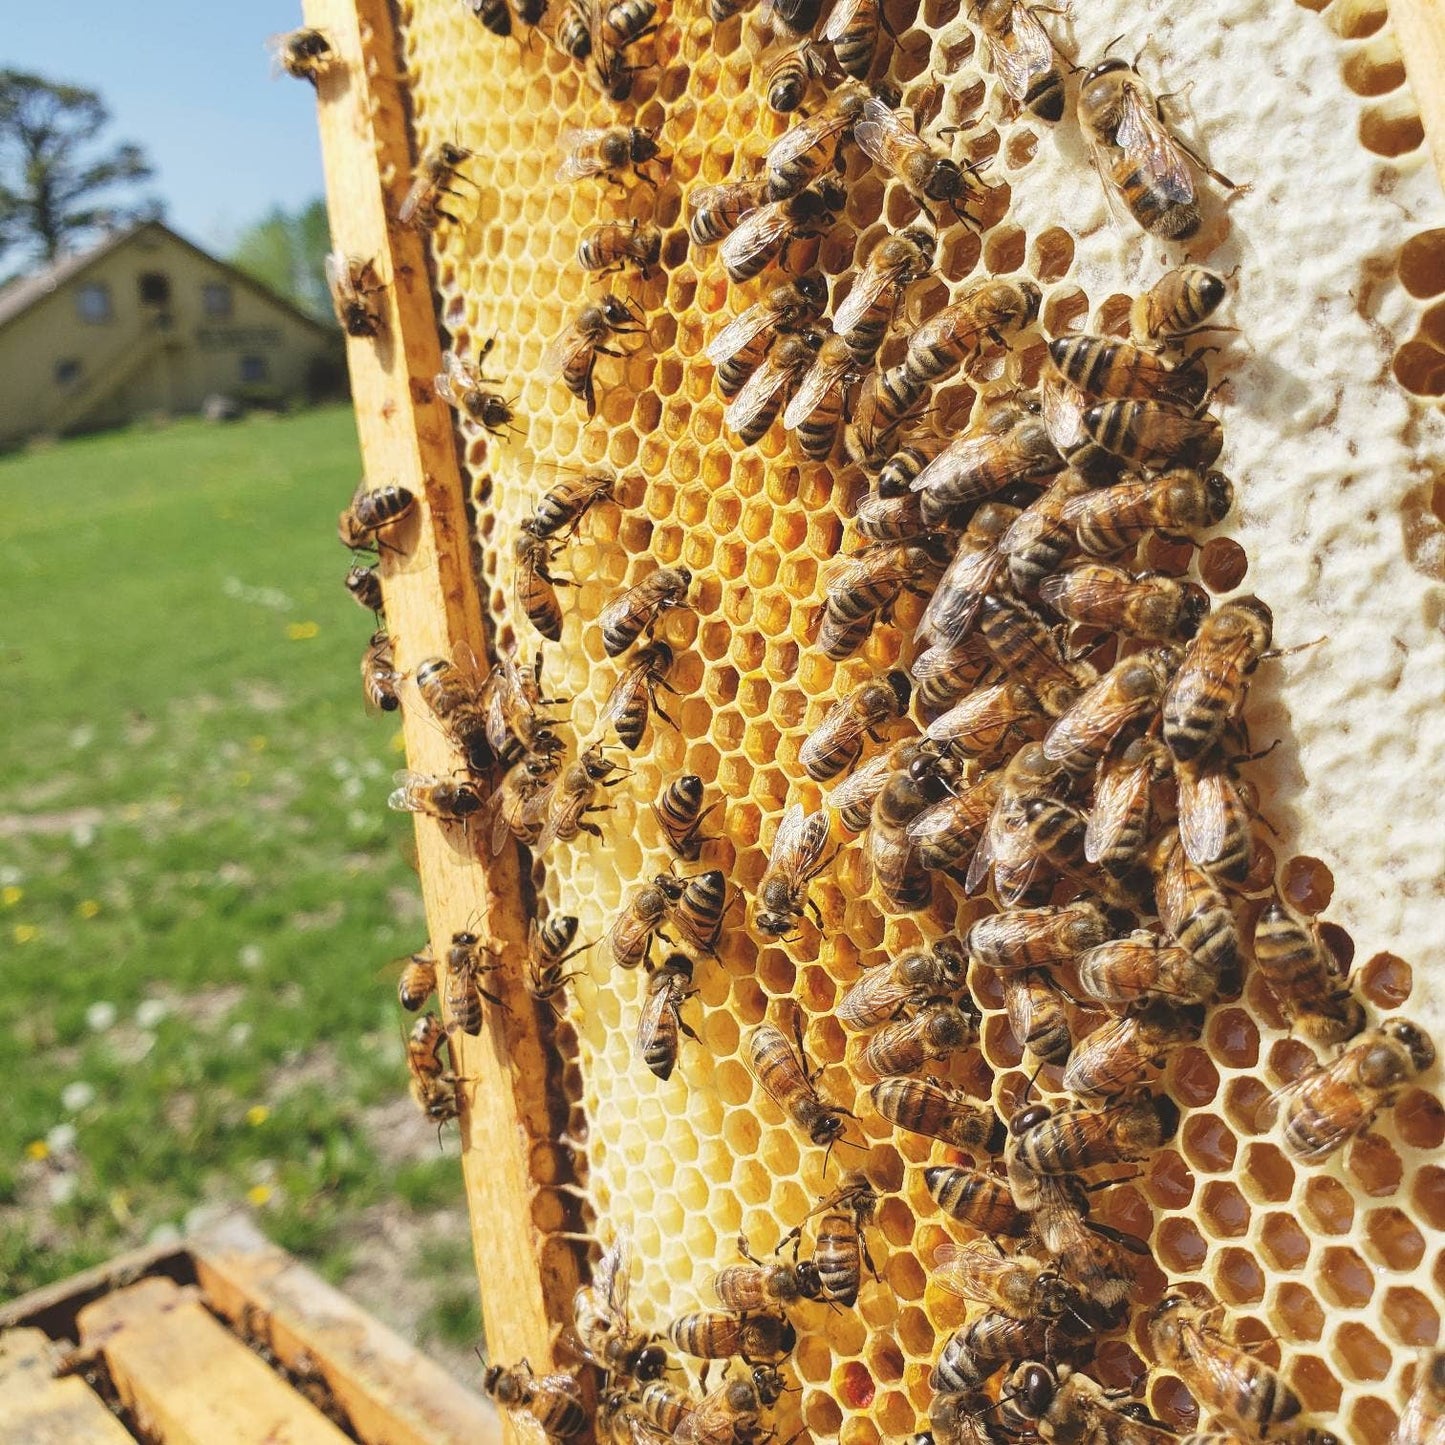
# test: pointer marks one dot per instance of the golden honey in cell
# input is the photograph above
(1141, 967)
(636, 610)
(1154, 608)
(768, 234)
(1207, 691)
(917, 977)
(602, 1318)
(353, 285)
(1328, 1106)
(784, 1075)
(372, 511)
(1227, 1381)
(635, 695)
(719, 1334)
(907, 1044)
(616, 245)
(1177, 503)
(1176, 306)
(379, 677)
(304, 54)
(679, 813)
(1126, 1054)
(1293, 960)
(444, 798)
(1016, 1285)
(939, 1111)
(553, 1401)
(1128, 693)
(865, 314)
(573, 354)
(437, 175)
(1021, 54)
(739, 348)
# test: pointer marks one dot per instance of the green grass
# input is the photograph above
(199, 879)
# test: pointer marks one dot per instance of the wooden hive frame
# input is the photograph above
(515, 1115)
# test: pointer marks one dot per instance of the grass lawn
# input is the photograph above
(200, 884)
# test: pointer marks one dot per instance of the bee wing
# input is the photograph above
(1207, 798)
(803, 137)
(983, 856)
(953, 608)
(1204, 671)
(737, 334)
(871, 286)
(338, 276)
(420, 188)
(405, 778)
(844, 13)
(612, 1279)
(1100, 712)
(1089, 586)
(817, 382)
(799, 842)
(622, 695)
(1118, 795)
(859, 788)
(563, 349)
(758, 232)
(577, 163)
(1147, 142)
(878, 132)
(756, 396)
(1023, 54)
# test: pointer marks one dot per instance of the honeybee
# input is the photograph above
(769, 232)
(867, 311)
(463, 387)
(714, 211)
(373, 511)
(1071, 1140)
(1014, 1284)
(946, 833)
(1130, 690)
(437, 175)
(1122, 1055)
(1036, 1015)
(379, 677)
(1227, 1381)
(1008, 849)
(979, 464)
(625, 22)
(1062, 408)
(906, 1044)
(417, 982)
(837, 742)
(552, 1401)
(515, 803)
(1120, 819)
(647, 908)
(613, 245)
(303, 54)
(604, 151)
(890, 140)
(986, 310)
(731, 1412)
(944, 673)
(1155, 608)
(1025, 938)
(549, 950)
(789, 73)
(1216, 817)
(852, 31)
(660, 1024)
(352, 284)
(1065, 1406)
(798, 156)
(1024, 646)
(534, 588)
(636, 690)
(1090, 1256)
(795, 860)
(981, 1201)
(433, 1086)
(562, 507)
(1040, 537)
(739, 348)
(939, 1111)
(1056, 832)
(1141, 968)
(979, 1349)
(603, 1320)
(1149, 435)
(636, 610)
(495, 15)
(516, 725)
(1325, 1108)
(890, 518)
(1107, 368)
(364, 584)
(1133, 149)
(894, 860)
(862, 587)
(759, 1286)
(679, 813)
(699, 910)
(665, 1406)
(1192, 908)
(761, 398)
(1423, 1422)
(883, 400)
(620, 1420)
(1301, 975)
(970, 576)
(568, 800)
(718, 1335)
(1207, 692)
(443, 798)
(919, 977)
(815, 411)
(853, 798)
(1176, 305)
(1178, 503)
(1021, 54)
(953, 1419)
(839, 1248)
(573, 355)
(786, 1081)
(988, 721)
(455, 695)
(464, 990)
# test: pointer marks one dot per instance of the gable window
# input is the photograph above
(155, 288)
(216, 300)
(254, 368)
(67, 371)
(92, 303)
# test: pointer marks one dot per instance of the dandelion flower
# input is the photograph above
(88, 907)
(302, 631)
(25, 933)
(10, 895)
(257, 1115)
(259, 1195)
(37, 1149)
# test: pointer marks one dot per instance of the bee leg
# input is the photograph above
(743, 1250)
(813, 909)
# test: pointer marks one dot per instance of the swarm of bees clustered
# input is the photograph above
(1059, 755)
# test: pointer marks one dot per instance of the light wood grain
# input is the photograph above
(391, 1393)
(431, 591)
(187, 1379)
(1420, 28)
(38, 1409)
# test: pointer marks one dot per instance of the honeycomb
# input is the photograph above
(1335, 1272)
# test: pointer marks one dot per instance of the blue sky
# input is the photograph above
(191, 83)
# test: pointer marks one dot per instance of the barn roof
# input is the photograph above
(21, 294)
